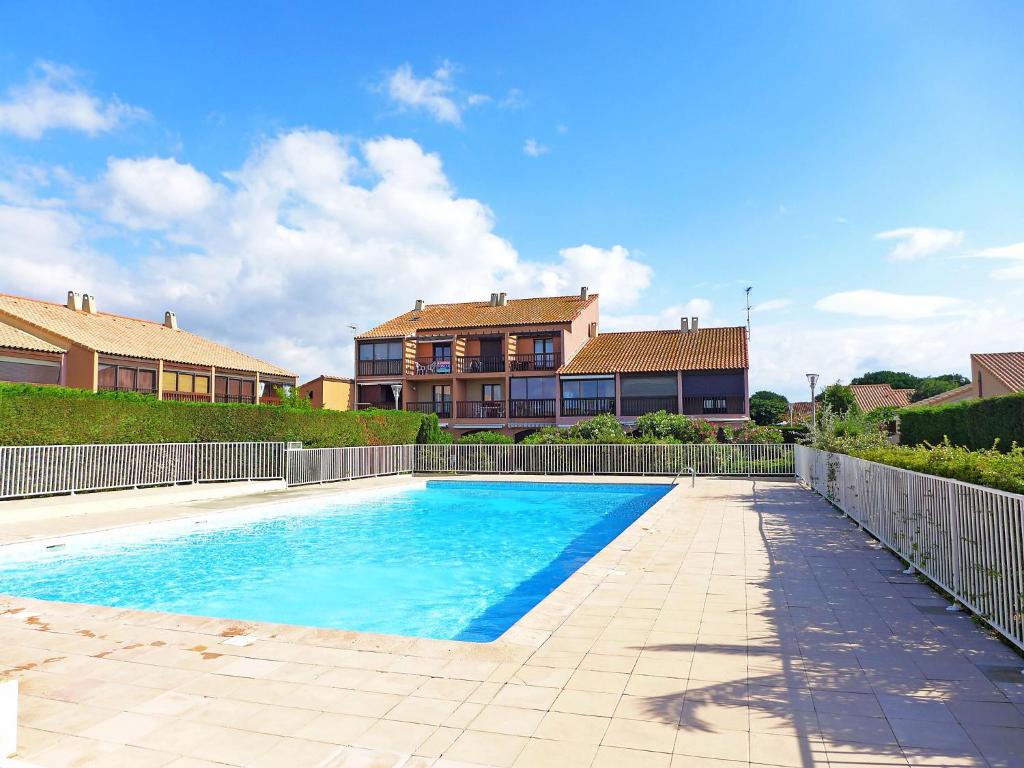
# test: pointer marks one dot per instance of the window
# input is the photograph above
(382, 350)
(491, 392)
(543, 346)
(441, 393)
(442, 351)
(126, 378)
(233, 390)
(186, 383)
(532, 388)
(29, 371)
(586, 388)
(649, 386)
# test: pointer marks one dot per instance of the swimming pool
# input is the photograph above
(445, 559)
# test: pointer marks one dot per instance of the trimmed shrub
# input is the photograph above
(32, 415)
(662, 425)
(753, 433)
(977, 424)
(991, 468)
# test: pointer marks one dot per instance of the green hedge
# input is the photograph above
(975, 424)
(32, 415)
(994, 469)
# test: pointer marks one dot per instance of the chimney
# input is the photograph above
(74, 301)
(494, 299)
(419, 305)
(89, 303)
(684, 324)
(693, 323)
(171, 321)
(592, 330)
(502, 299)
(584, 293)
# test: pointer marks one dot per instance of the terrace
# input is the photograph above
(740, 622)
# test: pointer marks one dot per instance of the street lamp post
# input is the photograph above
(812, 379)
(396, 390)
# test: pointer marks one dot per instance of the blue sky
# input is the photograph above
(275, 172)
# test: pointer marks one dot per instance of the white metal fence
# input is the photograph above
(325, 465)
(966, 538)
(612, 459)
(56, 469)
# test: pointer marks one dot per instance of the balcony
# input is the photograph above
(709, 405)
(638, 406)
(222, 398)
(433, 366)
(544, 361)
(488, 364)
(531, 409)
(384, 406)
(481, 409)
(379, 368)
(587, 406)
(187, 397)
(443, 408)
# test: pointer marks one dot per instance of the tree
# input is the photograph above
(291, 397)
(936, 385)
(896, 379)
(839, 399)
(768, 408)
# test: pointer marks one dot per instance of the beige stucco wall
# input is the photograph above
(985, 382)
(578, 332)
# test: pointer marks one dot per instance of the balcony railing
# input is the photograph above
(480, 364)
(388, 405)
(638, 406)
(544, 361)
(136, 390)
(481, 409)
(443, 408)
(709, 405)
(587, 406)
(187, 397)
(379, 368)
(531, 409)
(433, 366)
(222, 398)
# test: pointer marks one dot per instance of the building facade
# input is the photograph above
(78, 346)
(517, 365)
(331, 392)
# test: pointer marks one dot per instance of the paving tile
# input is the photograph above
(394, 736)
(493, 749)
(515, 721)
(564, 726)
(618, 757)
(640, 735)
(539, 753)
(529, 696)
(415, 709)
(334, 728)
(586, 703)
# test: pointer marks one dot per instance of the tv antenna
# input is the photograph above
(749, 289)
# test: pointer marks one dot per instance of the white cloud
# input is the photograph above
(667, 318)
(1014, 253)
(310, 234)
(772, 305)
(782, 353)
(155, 191)
(918, 242)
(434, 94)
(894, 306)
(514, 99)
(534, 149)
(53, 99)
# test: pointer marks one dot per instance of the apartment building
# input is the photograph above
(516, 365)
(75, 345)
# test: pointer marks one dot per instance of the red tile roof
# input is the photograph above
(480, 314)
(871, 396)
(705, 349)
(1008, 367)
(949, 396)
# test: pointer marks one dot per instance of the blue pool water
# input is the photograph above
(453, 560)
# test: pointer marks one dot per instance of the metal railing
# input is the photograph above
(969, 540)
(327, 465)
(481, 364)
(59, 469)
(443, 408)
(532, 409)
(638, 406)
(536, 361)
(707, 405)
(614, 459)
(432, 366)
(379, 367)
(480, 409)
(587, 406)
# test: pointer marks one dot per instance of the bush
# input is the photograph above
(768, 407)
(839, 398)
(485, 438)
(991, 468)
(31, 415)
(662, 425)
(841, 434)
(431, 433)
(754, 433)
(995, 422)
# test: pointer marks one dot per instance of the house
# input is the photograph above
(517, 365)
(332, 392)
(100, 351)
(966, 392)
(997, 373)
(871, 396)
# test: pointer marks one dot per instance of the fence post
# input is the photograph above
(954, 533)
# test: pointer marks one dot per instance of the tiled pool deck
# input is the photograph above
(736, 623)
